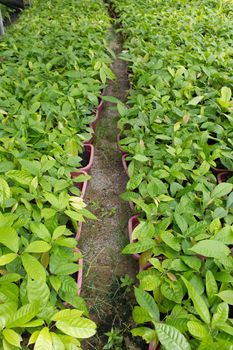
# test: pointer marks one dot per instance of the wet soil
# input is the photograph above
(102, 241)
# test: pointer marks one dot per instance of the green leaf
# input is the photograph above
(55, 282)
(41, 231)
(57, 342)
(134, 182)
(59, 231)
(221, 190)
(225, 328)
(182, 224)
(195, 100)
(138, 247)
(225, 235)
(197, 330)
(191, 261)
(22, 177)
(103, 75)
(9, 238)
(12, 337)
(33, 267)
(7, 258)
(227, 296)
(171, 338)
(67, 314)
(226, 93)
(5, 192)
(146, 333)
(170, 240)
(25, 314)
(147, 302)
(221, 314)
(44, 340)
(172, 291)
(140, 315)
(198, 302)
(211, 286)
(79, 328)
(38, 291)
(211, 249)
(140, 158)
(38, 247)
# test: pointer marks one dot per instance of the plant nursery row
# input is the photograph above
(176, 139)
(53, 66)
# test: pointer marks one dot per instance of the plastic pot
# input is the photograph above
(79, 279)
(89, 151)
(79, 231)
(125, 163)
(97, 115)
(81, 185)
(119, 146)
(153, 346)
(223, 176)
(132, 224)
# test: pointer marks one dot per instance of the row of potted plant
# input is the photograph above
(175, 138)
(53, 66)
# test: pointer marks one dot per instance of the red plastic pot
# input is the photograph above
(81, 185)
(125, 163)
(79, 231)
(119, 146)
(97, 115)
(79, 280)
(153, 346)
(223, 176)
(89, 151)
(132, 224)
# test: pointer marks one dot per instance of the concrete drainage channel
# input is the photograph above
(101, 243)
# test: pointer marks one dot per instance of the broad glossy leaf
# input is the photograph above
(23, 315)
(221, 314)
(227, 296)
(38, 247)
(147, 302)
(221, 190)
(138, 247)
(12, 337)
(7, 258)
(44, 340)
(38, 291)
(211, 286)
(198, 301)
(171, 338)
(79, 328)
(33, 267)
(9, 238)
(211, 249)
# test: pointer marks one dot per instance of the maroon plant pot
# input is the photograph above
(153, 346)
(119, 146)
(125, 163)
(79, 231)
(81, 185)
(132, 224)
(97, 115)
(223, 176)
(79, 280)
(89, 151)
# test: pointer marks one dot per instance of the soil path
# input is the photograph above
(102, 241)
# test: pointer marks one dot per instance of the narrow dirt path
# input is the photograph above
(102, 241)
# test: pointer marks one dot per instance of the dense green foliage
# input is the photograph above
(52, 68)
(177, 129)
